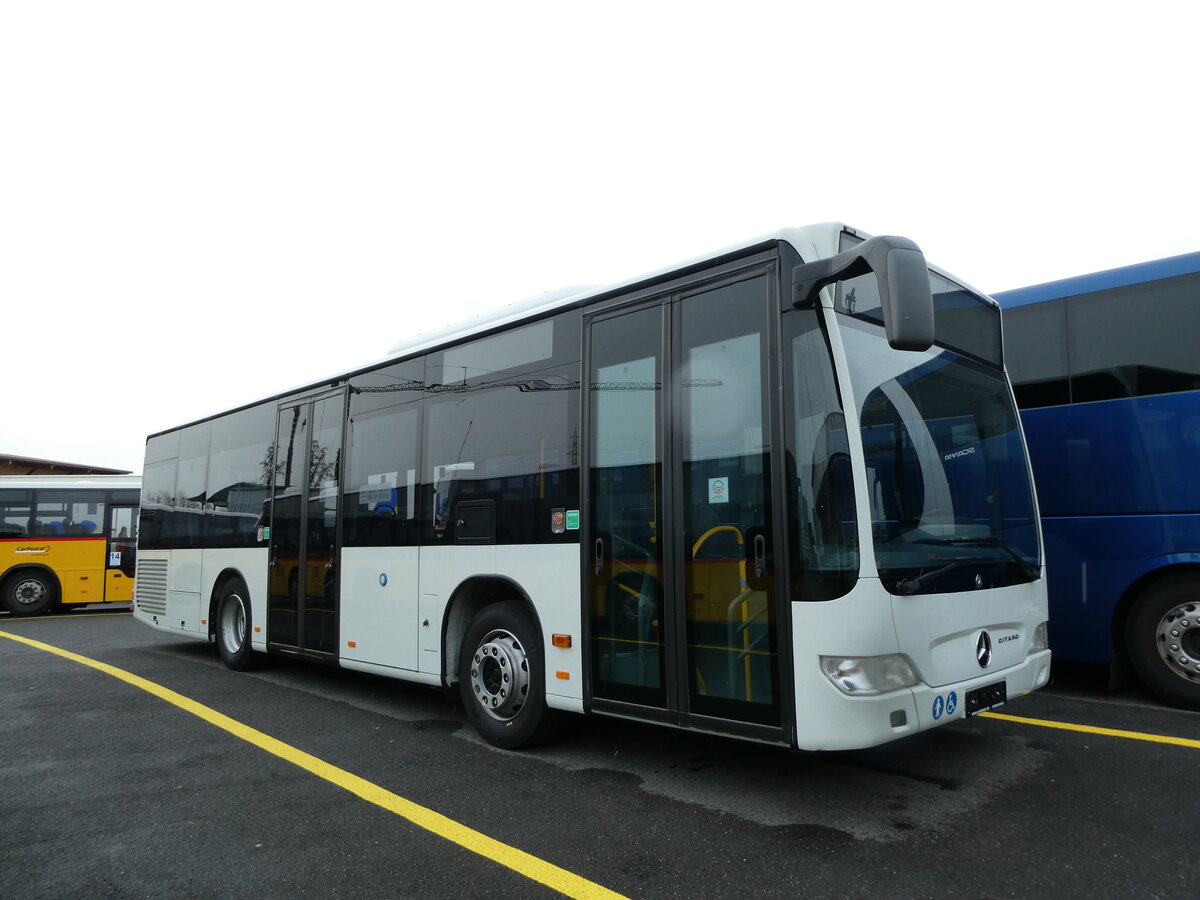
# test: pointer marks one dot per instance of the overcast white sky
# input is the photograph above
(205, 203)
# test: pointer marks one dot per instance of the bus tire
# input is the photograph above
(233, 626)
(501, 677)
(1162, 637)
(30, 593)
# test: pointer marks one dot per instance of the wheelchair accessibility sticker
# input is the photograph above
(947, 705)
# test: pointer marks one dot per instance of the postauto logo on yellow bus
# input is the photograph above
(43, 548)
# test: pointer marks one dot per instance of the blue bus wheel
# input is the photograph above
(1162, 638)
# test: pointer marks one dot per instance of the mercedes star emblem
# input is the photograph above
(983, 650)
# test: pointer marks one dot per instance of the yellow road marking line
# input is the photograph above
(519, 861)
(1092, 729)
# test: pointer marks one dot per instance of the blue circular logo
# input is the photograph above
(951, 703)
(383, 579)
(937, 708)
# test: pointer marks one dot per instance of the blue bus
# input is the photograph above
(1106, 371)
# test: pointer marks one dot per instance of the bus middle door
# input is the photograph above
(303, 574)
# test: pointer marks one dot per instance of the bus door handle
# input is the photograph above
(760, 555)
(598, 556)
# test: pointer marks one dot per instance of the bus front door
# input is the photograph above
(680, 584)
(122, 554)
(303, 577)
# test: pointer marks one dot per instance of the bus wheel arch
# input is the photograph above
(214, 601)
(1134, 591)
(29, 591)
(466, 602)
(1160, 633)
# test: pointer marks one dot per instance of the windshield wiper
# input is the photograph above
(1027, 568)
(912, 585)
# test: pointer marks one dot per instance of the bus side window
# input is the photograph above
(15, 512)
(121, 524)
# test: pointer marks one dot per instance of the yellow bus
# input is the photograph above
(67, 541)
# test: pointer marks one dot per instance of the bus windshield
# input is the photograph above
(948, 484)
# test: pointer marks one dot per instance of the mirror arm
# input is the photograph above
(863, 259)
(903, 278)
(809, 278)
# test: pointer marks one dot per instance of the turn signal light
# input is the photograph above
(562, 640)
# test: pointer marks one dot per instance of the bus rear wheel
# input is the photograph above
(29, 594)
(233, 627)
(501, 677)
(1163, 639)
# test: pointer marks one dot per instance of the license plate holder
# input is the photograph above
(987, 697)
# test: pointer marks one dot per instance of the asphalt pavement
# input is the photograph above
(108, 790)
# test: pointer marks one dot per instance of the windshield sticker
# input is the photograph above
(718, 490)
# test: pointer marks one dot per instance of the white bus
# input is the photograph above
(779, 492)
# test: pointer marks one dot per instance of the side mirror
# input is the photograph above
(903, 277)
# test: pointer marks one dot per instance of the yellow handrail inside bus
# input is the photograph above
(741, 600)
(717, 529)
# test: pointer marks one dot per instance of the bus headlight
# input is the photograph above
(1040, 641)
(868, 675)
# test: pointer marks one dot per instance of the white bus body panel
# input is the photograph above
(379, 591)
(940, 632)
(250, 564)
(191, 577)
(183, 590)
(385, 618)
(168, 597)
(933, 631)
(547, 573)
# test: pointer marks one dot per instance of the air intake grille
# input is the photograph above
(150, 588)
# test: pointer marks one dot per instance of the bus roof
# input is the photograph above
(812, 242)
(1137, 273)
(72, 482)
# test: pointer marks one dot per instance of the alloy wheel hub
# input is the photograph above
(500, 675)
(1179, 640)
(29, 592)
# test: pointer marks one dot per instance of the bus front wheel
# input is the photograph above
(501, 677)
(29, 593)
(233, 627)
(1163, 639)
